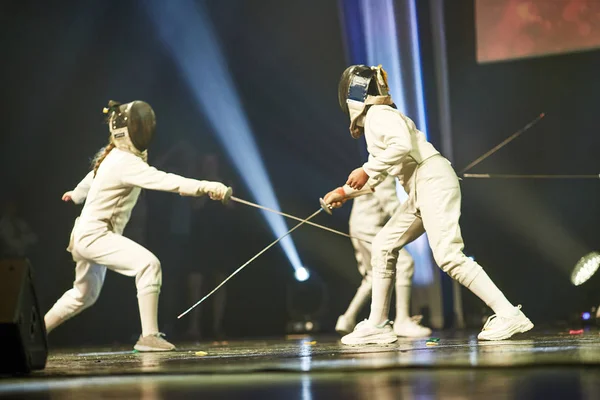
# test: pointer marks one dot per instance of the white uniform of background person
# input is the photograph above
(369, 214)
(97, 243)
(397, 148)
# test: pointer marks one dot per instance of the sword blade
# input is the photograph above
(249, 261)
(248, 203)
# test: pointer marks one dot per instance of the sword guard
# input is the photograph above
(326, 207)
(227, 196)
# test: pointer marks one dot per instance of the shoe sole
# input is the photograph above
(520, 328)
(148, 348)
(375, 339)
(412, 336)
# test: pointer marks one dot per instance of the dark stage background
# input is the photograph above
(69, 58)
(63, 61)
(528, 234)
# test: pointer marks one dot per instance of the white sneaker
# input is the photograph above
(411, 328)
(344, 325)
(501, 327)
(153, 342)
(367, 333)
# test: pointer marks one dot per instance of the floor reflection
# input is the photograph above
(543, 383)
(539, 366)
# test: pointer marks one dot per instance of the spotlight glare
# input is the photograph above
(186, 30)
(585, 268)
(301, 274)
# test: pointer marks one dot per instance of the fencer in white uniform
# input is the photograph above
(110, 192)
(396, 147)
(369, 214)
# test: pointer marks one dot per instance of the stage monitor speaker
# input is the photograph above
(23, 343)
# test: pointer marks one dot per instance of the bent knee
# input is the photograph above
(459, 267)
(153, 263)
(149, 276)
(84, 298)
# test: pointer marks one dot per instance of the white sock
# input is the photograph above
(483, 287)
(52, 320)
(381, 297)
(362, 296)
(402, 302)
(148, 304)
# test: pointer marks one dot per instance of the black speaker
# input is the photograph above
(23, 343)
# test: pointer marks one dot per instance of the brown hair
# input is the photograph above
(101, 155)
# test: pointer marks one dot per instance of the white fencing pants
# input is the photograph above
(405, 267)
(434, 207)
(94, 254)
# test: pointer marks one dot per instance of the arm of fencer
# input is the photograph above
(81, 191)
(341, 195)
(138, 173)
(390, 126)
(350, 193)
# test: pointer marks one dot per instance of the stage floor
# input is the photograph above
(544, 364)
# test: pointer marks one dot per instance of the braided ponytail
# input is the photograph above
(101, 155)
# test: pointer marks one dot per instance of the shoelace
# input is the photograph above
(489, 321)
(494, 317)
(383, 324)
(158, 335)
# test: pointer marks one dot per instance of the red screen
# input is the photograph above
(509, 29)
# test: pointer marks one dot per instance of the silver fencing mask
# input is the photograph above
(359, 87)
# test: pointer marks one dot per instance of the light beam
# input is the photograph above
(186, 30)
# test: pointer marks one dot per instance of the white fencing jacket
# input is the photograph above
(396, 147)
(111, 195)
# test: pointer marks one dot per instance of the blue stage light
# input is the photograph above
(586, 316)
(187, 32)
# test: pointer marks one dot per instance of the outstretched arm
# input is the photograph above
(138, 173)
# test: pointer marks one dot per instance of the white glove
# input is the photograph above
(215, 190)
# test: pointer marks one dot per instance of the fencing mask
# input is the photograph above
(131, 125)
(361, 86)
